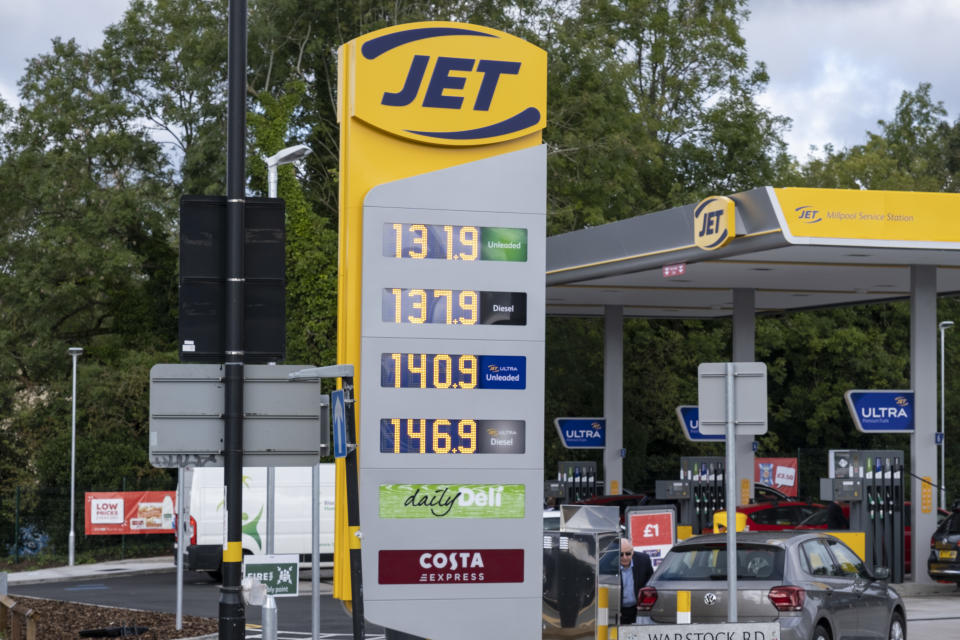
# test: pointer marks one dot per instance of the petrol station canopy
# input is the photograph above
(796, 248)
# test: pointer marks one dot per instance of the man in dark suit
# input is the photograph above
(635, 570)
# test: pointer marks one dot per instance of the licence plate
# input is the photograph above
(947, 555)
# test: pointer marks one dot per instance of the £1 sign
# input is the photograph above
(652, 531)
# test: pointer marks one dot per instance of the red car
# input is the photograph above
(777, 516)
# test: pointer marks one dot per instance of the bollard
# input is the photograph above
(683, 607)
(268, 618)
(603, 613)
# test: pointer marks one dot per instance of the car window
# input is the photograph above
(709, 562)
(816, 559)
(848, 563)
(767, 516)
(816, 519)
(782, 515)
(951, 524)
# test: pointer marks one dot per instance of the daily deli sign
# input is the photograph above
(444, 501)
(129, 512)
(450, 566)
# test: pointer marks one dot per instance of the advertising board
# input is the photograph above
(129, 512)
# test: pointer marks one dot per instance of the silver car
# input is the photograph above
(811, 583)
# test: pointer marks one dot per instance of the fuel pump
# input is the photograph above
(871, 483)
(699, 493)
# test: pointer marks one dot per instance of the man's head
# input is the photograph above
(626, 552)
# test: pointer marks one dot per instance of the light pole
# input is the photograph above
(268, 614)
(284, 156)
(943, 326)
(74, 353)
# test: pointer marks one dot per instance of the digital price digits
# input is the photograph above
(453, 242)
(453, 307)
(451, 435)
(451, 371)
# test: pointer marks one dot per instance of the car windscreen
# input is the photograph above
(709, 562)
(817, 519)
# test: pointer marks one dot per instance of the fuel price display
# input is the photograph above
(453, 242)
(451, 435)
(452, 371)
(453, 306)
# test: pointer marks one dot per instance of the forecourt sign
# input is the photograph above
(441, 308)
(876, 411)
(689, 417)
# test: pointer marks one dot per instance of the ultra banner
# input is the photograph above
(125, 512)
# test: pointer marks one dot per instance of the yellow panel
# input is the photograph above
(856, 540)
(379, 146)
(880, 216)
(720, 521)
(684, 531)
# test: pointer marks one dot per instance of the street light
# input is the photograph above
(74, 353)
(943, 326)
(269, 611)
(284, 156)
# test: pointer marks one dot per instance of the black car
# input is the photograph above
(943, 563)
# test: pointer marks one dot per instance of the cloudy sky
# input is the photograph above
(836, 66)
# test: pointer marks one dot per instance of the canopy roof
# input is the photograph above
(796, 248)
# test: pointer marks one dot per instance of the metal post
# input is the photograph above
(268, 613)
(943, 326)
(182, 540)
(353, 510)
(315, 555)
(232, 621)
(71, 540)
(731, 501)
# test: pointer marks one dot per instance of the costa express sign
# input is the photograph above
(446, 83)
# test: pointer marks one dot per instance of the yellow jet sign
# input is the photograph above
(449, 84)
(714, 222)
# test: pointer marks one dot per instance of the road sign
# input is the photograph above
(286, 422)
(749, 397)
(582, 433)
(889, 411)
(689, 417)
(938, 438)
(339, 424)
(278, 573)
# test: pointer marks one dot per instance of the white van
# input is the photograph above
(205, 499)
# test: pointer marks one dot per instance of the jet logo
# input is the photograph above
(448, 83)
(714, 222)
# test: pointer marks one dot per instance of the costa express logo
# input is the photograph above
(448, 83)
(714, 222)
(450, 566)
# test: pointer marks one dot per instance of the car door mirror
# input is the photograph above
(881, 573)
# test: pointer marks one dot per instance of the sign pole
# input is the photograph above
(315, 555)
(182, 541)
(353, 509)
(731, 477)
(232, 623)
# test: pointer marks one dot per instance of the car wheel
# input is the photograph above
(821, 633)
(898, 631)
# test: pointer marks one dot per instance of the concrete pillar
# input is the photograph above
(613, 398)
(744, 339)
(923, 381)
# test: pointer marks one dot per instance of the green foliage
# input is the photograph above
(651, 104)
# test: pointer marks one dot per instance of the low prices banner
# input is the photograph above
(779, 473)
(124, 512)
